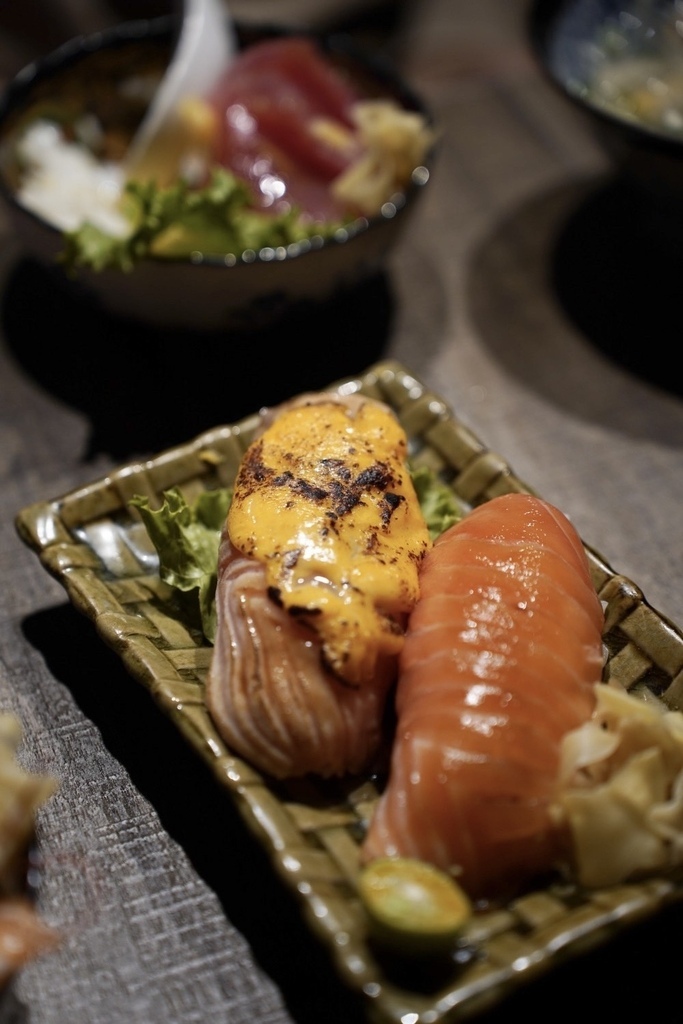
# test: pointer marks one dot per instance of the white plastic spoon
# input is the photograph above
(205, 47)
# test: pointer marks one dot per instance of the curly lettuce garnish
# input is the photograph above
(187, 536)
(175, 221)
(441, 507)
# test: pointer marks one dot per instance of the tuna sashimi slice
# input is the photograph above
(269, 103)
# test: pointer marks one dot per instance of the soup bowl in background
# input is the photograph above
(621, 65)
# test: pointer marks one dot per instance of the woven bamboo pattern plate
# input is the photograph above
(94, 544)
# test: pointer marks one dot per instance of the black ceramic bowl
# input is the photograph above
(613, 60)
(205, 292)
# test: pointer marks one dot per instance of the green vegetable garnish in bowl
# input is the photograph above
(172, 222)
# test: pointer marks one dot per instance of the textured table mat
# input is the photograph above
(171, 912)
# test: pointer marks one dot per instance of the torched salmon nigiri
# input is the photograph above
(318, 572)
(501, 657)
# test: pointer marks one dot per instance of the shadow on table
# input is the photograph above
(617, 274)
(579, 284)
(201, 818)
(198, 814)
(144, 390)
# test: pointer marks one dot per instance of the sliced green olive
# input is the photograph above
(412, 906)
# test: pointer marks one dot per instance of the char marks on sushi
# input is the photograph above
(318, 572)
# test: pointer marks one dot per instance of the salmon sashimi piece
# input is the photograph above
(499, 663)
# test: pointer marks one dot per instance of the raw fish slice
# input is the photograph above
(484, 672)
(504, 557)
(488, 575)
(512, 732)
(275, 703)
(268, 103)
(475, 760)
(296, 63)
(536, 514)
(497, 624)
(487, 646)
(503, 835)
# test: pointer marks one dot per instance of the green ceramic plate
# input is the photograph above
(95, 546)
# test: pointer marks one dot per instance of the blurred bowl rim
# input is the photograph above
(17, 89)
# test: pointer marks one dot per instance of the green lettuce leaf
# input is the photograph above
(187, 538)
(174, 221)
(440, 505)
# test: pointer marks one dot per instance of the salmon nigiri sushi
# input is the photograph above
(500, 661)
(317, 574)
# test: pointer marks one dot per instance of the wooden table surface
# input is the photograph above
(521, 295)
